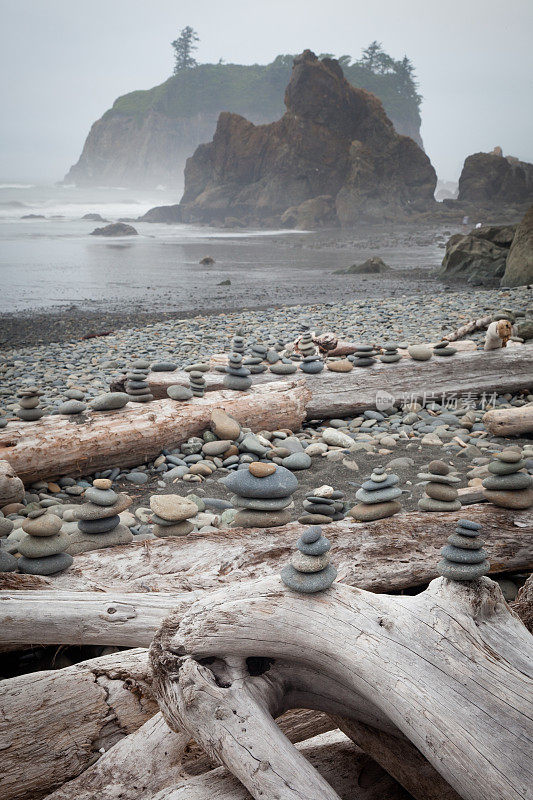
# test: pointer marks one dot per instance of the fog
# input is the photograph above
(64, 62)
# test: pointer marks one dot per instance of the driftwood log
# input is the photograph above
(509, 421)
(80, 444)
(470, 327)
(450, 670)
(387, 555)
(334, 395)
(11, 487)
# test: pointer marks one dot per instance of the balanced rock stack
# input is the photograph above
(390, 354)
(238, 344)
(463, 557)
(237, 376)
(507, 486)
(74, 404)
(364, 355)
(378, 497)
(284, 367)
(29, 409)
(136, 385)
(171, 515)
(310, 570)
(98, 519)
(197, 383)
(305, 345)
(440, 495)
(444, 349)
(254, 362)
(42, 546)
(322, 506)
(263, 492)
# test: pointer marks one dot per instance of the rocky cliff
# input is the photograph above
(146, 137)
(494, 179)
(334, 140)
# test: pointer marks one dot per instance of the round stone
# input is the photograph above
(179, 529)
(236, 383)
(383, 482)
(111, 401)
(466, 542)
(48, 565)
(71, 407)
(467, 556)
(8, 562)
(317, 548)
(319, 508)
(282, 368)
(503, 468)
(509, 456)
(462, 572)
(520, 499)
(311, 535)
(260, 469)
(29, 414)
(428, 504)
(308, 583)
(378, 477)
(173, 507)
(469, 524)
(419, 352)
(44, 525)
(217, 447)
(314, 519)
(434, 478)
(281, 483)
(265, 504)
(367, 513)
(39, 546)
(297, 461)
(164, 366)
(179, 392)
(102, 483)
(343, 365)
(305, 563)
(6, 526)
(378, 495)
(440, 491)
(81, 542)
(438, 467)
(98, 525)
(100, 497)
(513, 482)
(224, 426)
(90, 511)
(261, 519)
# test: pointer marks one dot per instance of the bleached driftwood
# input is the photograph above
(334, 395)
(11, 487)
(509, 421)
(451, 669)
(382, 556)
(53, 724)
(523, 604)
(469, 327)
(80, 444)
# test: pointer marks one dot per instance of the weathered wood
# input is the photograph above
(509, 421)
(80, 444)
(523, 605)
(11, 487)
(339, 395)
(53, 724)
(386, 555)
(475, 325)
(450, 668)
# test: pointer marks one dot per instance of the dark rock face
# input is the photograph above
(492, 179)
(519, 267)
(94, 218)
(372, 266)
(115, 229)
(166, 214)
(333, 140)
(478, 257)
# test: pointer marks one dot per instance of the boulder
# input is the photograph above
(167, 214)
(94, 218)
(372, 266)
(519, 267)
(479, 256)
(492, 179)
(334, 140)
(115, 229)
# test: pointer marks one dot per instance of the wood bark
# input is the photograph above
(53, 724)
(509, 421)
(81, 444)
(523, 605)
(450, 668)
(387, 555)
(335, 395)
(11, 487)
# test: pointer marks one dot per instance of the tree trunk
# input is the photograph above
(334, 395)
(11, 487)
(81, 444)
(450, 668)
(509, 421)
(53, 724)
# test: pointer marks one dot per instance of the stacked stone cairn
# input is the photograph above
(310, 570)
(171, 514)
(440, 493)
(364, 356)
(285, 366)
(507, 486)
(254, 362)
(463, 557)
(29, 409)
(237, 376)
(136, 385)
(306, 346)
(311, 363)
(378, 497)
(74, 404)
(444, 349)
(98, 519)
(390, 353)
(238, 344)
(42, 546)
(263, 492)
(197, 383)
(322, 506)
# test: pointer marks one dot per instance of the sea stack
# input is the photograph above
(263, 492)
(508, 487)
(322, 506)
(29, 409)
(463, 557)
(42, 546)
(237, 377)
(136, 385)
(310, 570)
(171, 515)
(440, 494)
(378, 497)
(98, 519)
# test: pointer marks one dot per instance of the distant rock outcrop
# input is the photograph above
(519, 266)
(333, 140)
(115, 229)
(494, 179)
(478, 257)
(168, 214)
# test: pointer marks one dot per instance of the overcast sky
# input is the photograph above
(65, 61)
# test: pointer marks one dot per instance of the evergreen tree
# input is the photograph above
(183, 47)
